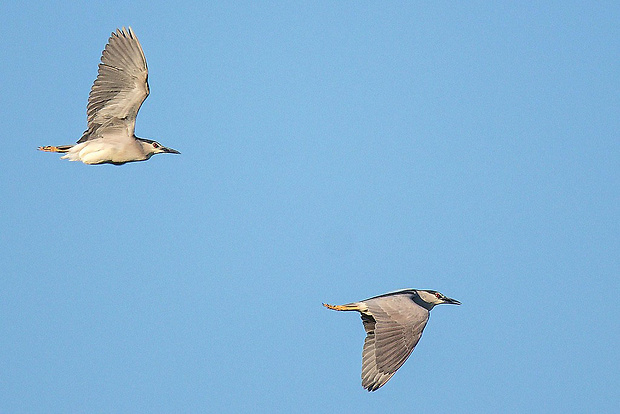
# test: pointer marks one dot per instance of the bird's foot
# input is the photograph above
(52, 148)
(49, 148)
(351, 307)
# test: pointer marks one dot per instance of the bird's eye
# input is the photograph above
(155, 145)
(438, 295)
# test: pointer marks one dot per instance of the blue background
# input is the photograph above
(330, 152)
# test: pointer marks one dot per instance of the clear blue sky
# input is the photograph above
(330, 152)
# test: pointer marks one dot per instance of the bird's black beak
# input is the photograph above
(170, 150)
(452, 301)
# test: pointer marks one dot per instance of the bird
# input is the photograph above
(113, 104)
(394, 323)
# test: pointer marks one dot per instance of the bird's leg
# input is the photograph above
(348, 307)
(51, 148)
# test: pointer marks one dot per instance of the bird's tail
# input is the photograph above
(60, 148)
(348, 307)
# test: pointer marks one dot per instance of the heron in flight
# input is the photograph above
(113, 104)
(394, 323)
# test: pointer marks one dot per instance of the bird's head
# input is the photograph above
(153, 147)
(432, 297)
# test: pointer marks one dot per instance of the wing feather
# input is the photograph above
(120, 88)
(394, 325)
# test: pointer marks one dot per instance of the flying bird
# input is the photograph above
(394, 323)
(113, 104)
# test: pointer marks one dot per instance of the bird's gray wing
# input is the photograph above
(120, 88)
(393, 325)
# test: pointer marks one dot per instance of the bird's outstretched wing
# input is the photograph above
(393, 325)
(120, 88)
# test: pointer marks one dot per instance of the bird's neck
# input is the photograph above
(418, 300)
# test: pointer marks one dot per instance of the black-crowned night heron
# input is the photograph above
(113, 104)
(394, 323)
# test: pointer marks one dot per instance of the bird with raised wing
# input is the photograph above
(113, 104)
(394, 323)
